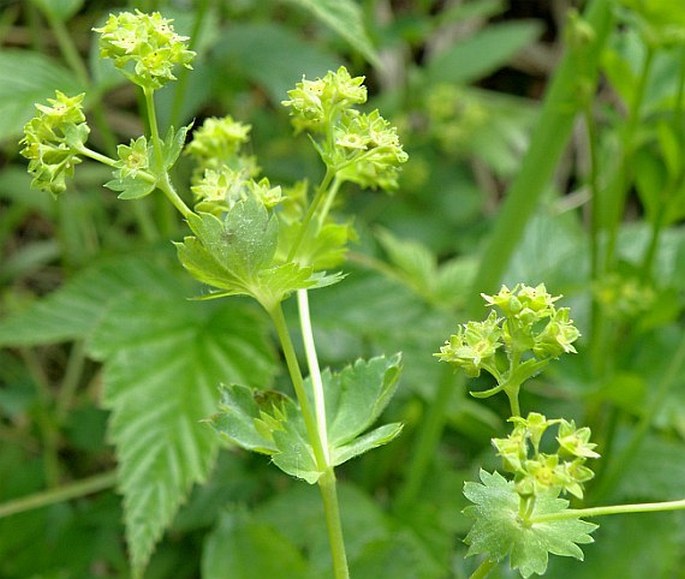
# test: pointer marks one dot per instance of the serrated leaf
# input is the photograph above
(163, 357)
(357, 395)
(344, 17)
(240, 408)
(173, 144)
(131, 188)
(377, 437)
(237, 254)
(274, 425)
(27, 78)
(73, 311)
(498, 531)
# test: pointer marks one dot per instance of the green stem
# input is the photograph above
(549, 140)
(59, 494)
(484, 569)
(329, 495)
(167, 187)
(201, 7)
(295, 372)
(610, 510)
(314, 370)
(149, 95)
(320, 194)
(327, 481)
(72, 376)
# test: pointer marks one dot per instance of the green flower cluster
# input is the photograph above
(144, 46)
(536, 472)
(531, 330)
(359, 147)
(223, 174)
(52, 141)
(218, 191)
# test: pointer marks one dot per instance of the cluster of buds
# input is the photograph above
(315, 103)
(218, 142)
(218, 191)
(224, 175)
(531, 330)
(536, 472)
(52, 141)
(145, 47)
(359, 147)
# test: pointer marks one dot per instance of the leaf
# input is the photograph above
(131, 188)
(269, 423)
(345, 18)
(236, 255)
(357, 395)
(27, 78)
(173, 144)
(377, 437)
(497, 530)
(273, 424)
(163, 357)
(482, 53)
(74, 311)
(245, 547)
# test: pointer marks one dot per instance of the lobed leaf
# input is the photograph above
(498, 532)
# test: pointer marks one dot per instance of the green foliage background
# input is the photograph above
(107, 366)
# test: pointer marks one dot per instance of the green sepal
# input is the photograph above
(498, 530)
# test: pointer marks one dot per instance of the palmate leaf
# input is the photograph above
(271, 423)
(163, 357)
(498, 532)
(236, 256)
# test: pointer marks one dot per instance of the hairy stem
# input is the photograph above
(327, 481)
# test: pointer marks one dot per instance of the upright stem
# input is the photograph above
(320, 194)
(314, 370)
(327, 481)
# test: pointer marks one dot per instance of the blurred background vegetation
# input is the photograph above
(463, 81)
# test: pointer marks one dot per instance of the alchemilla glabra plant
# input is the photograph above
(250, 237)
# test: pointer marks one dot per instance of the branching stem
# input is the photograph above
(678, 505)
